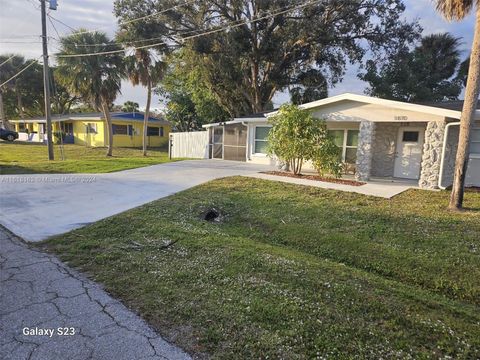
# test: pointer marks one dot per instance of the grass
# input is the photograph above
(294, 272)
(30, 158)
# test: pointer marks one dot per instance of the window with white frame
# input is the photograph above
(261, 133)
(153, 131)
(347, 141)
(475, 141)
(91, 128)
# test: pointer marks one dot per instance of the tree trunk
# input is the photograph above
(19, 103)
(108, 121)
(147, 115)
(4, 122)
(467, 119)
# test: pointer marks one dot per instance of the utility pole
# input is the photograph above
(46, 82)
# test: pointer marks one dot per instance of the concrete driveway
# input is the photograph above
(36, 207)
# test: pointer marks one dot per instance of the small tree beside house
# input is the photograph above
(296, 136)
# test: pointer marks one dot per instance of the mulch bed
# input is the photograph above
(315, 177)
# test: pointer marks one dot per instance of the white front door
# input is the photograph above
(409, 152)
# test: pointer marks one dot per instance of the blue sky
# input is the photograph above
(20, 29)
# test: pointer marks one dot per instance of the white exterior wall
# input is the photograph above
(252, 157)
(189, 145)
(473, 169)
(353, 111)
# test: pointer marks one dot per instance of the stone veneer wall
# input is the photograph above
(432, 153)
(366, 138)
(450, 154)
(384, 148)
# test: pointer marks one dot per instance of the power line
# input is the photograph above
(10, 58)
(150, 39)
(61, 22)
(53, 25)
(21, 71)
(20, 42)
(143, 17)
(196, 35)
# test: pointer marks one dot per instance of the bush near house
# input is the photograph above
(296, 136)
(294, 272)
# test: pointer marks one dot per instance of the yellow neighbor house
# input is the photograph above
(89, 129)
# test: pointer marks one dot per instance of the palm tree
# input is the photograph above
(458, 10)
(96, 79)
(144, 69)
(130, 106)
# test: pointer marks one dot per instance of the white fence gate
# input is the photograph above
(189, 145)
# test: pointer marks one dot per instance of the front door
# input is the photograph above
(409, 152)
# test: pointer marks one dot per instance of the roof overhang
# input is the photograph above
(237, 121)
(454, 114)
(86, 118)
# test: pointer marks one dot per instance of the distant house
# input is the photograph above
(90, 129)
(378, 138)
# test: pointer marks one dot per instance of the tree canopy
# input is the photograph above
(130, 106)
(190, 103)
(275, 45)
(431, 71)
(96, 79)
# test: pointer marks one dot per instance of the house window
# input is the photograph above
(351, 147)
(67, 128)
(347, 141)
(261, 133)
(475, 141)
(153, 131)
(161, 131)
(91, 128)
(410, 136)
(119, 129)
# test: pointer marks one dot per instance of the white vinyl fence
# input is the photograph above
(33, 137)
(189, 145)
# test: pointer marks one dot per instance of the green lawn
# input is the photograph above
(294, 272)
(29, 158)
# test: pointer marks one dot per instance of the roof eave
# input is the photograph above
(378, 101)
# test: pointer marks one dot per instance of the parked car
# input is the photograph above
(8, 135)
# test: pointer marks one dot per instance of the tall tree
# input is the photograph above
(429, 72)
(190, 103)
(62, 99)
(23, 96)
(269, 46)
(458, 10)
(144, 69)
(96, 79)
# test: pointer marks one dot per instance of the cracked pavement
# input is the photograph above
(39, 291)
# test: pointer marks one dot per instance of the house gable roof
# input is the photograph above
(431, 108)
(117, 116)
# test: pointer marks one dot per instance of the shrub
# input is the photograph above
(296, 136)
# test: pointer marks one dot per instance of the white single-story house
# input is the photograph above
(379, 138)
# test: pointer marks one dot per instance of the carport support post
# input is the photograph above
(46, 84)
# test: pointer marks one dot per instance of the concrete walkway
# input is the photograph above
(379, 188)
(36, 207)
(39, 293)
